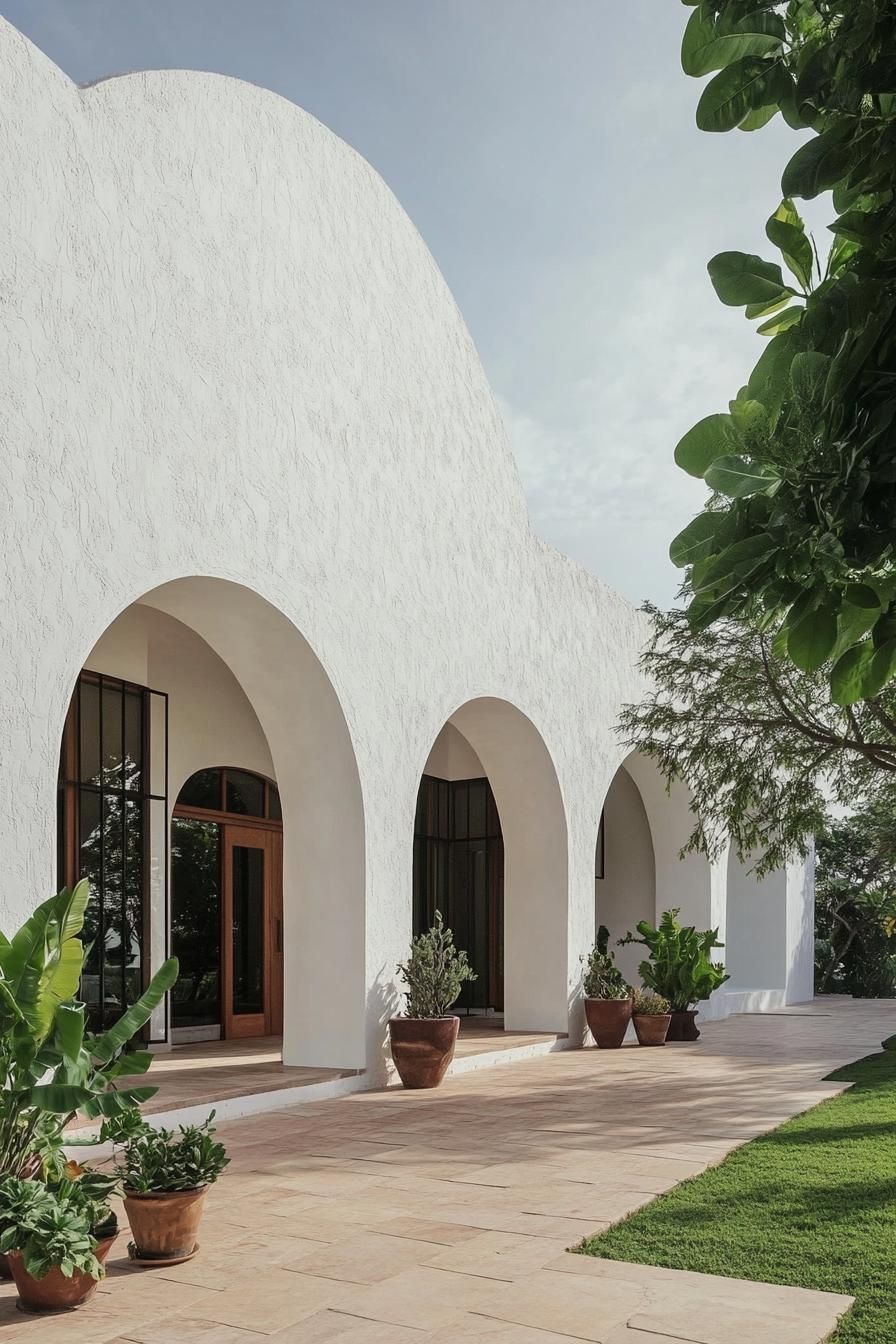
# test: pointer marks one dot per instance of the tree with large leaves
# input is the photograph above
(855, 902)
(798, 535)
(51, 1067)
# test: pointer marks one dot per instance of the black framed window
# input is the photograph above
(112, 830)
(599, 851)
(237, 792)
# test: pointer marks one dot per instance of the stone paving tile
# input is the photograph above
(440, 1217)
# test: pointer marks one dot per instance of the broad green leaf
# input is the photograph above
(808, 374)
(852, 624)
(862, 595)
(712, 437)
(736, 562)
(738, 90)
(881, 670)
(817, 165)
(698, 539)
(759, 117)
(742, 278)
(785, 229)
(781, 321)
(105, 1047)
(737, 477)
(703, 610)
(770, 378)
(69, 1026)
(811, 641)
(848, 673)
(754, 310)
(708, 46)
(747, 414)
(116, 1101)
(57, 1098)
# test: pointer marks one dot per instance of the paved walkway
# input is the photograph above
(425, 1218)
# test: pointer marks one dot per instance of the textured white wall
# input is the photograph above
(452, 757)
(235, 381)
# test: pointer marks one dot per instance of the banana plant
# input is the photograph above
(679, 967)
(51, 1067)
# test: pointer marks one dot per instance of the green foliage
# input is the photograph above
(434, 972)
(809, 476)
(855, 902)
(50, 1066)
(810, 1204)
(679, 968)
(603, 979)
(49, 1230)
(754, 737)
(157, 1160)
(647, 1004)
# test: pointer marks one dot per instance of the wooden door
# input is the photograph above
(252, 943)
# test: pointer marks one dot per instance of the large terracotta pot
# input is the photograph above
(683, 1027)
(54, 1292)
(164, 1224)
(103, 1247)
(422, 1048)
(608, 1021)
(651, 1028)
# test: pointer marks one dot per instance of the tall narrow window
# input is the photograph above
(112, 827)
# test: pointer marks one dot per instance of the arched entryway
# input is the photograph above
(490, 851)
(197, 671)
(227, 906)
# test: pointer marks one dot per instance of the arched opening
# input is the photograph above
(490, 852)
(639, 869)
(198, 671)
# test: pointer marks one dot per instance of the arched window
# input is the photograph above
(237, 792)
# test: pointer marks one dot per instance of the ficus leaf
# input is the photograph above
(808, 374)
(781, 321)
(848, 673)
(708, 46)
(738, 90)
(817, 165)
(737, 477)
(698, 539)
(786, 230)
(712, 437)
(743, 278)
(811, 640)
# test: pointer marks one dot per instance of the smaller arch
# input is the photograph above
(508, 753)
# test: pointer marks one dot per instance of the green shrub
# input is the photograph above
(434, 973)
(50, 1232)
(603, 979)
(647, 1004)
(679, 968)
(157, 1160)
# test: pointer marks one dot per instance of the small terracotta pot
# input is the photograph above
(54, 1292)
(651, 1028)
(164, 1224)
(608, 1021)
(422, 1048)
(683, 1027)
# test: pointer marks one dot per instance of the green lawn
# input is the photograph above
(812, 1204)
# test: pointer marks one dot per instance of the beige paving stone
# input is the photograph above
(271, 1299)
(497, 1255)
(325, 1327)
(367, 1258)
(421, 1229)
(184, 1330)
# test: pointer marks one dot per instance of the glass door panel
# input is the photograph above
(247, 923)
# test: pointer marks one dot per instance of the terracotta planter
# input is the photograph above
(54, 1292)
(651, 1028)
(103, 1247)
(683, 1027)
(422, 1048)
(608, 1020)
(164, 1224)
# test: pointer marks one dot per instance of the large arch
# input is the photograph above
(499, 742)
(302, 741)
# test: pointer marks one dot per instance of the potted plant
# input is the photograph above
(651, 1016)
(52, 1253)
(166, 1175)
(608, 997)
(679, 969)
(423, 1040)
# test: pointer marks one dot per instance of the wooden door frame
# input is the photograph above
(267, 835)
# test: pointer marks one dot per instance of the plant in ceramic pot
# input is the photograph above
(651, 1016)
(679, 969)
(166, 1174)
(608, 997)
(423, 1040)
(52, 1251)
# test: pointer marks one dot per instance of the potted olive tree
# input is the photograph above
(423, 1040)
(679, 969)
(608, 998)
(166, 1175)
(651, 1016)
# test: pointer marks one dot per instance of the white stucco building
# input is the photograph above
(267, 561)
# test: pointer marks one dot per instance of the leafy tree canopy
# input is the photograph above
(798, 535)
(762, 746)
(855, 902)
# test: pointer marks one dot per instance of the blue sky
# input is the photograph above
(547, 152)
